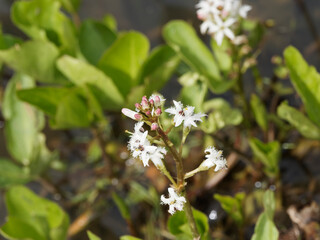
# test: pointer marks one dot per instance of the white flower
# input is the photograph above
(174, 201)
(243, 11)
(221, 29)
(131, 114)
(185, 115)
(207, 7)
(213, 158)
(157, 156)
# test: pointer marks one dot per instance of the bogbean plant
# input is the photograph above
(80, 74)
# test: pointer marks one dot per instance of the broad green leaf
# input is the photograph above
(110, 22)
(92, 236)
(127, 237)
(11, 174)
(135, 95)
(34, 58)
(259, 111)
(158, 68)
(178, 225)
(45, 98)
(306, 127)
(268, 153)
(194, 95)
(71, 5)
(233, 206)
(265, 229)
(221, 115)
(224, 59)
(123, 60)
(122, 206)
(43, 20)
(81, 73)
(19, 229)
(72, 111)
(8, 41)
(306, 81)
(94, 39)
(22, 122)
(184, 40)
(46, 217)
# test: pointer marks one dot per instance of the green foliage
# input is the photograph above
(178, 225)
(194, 95)
(92, 236)
(32, 217)
(184, 40)
(224, 59)
(268, 153)
(233, 206)
(11, 174)
(265, 228)
(127, 237)
(123, 60)
(122, 206)
(297, 119)
(221, 115)
(306, 81)
(259, 111)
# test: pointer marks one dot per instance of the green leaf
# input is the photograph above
(224, 59)
(122, 206)
(127, 237)
(259, 111)
(43, 20)
(158, 68)
(81, 73)
(22, 122)
(70, 5)
(34, 58)
(265, 229)
(268, 154)
(306, 127)
(123, 60)
(48, 220)
(184, 40)
(222, 115)
(233, 206)
(306, 81)
(92, 236)
(110, 22)
(194, 95)
(178, 225)
(11, 174)
(94, 39)
(45, 98)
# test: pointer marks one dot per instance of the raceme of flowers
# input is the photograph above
(146, 147)
(220, 16)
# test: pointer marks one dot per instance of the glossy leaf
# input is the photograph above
(306, 127)
(221, 115)
(178, 225)
(48, 220)
(259, 111)
(158, 68)
(233, 206)
(81, 73)
(268, 154)
(123, 60)
(35, 58)
(184, 40)
(224, 59)
(92, 236)
(194, 95)
(306, 81)
(94, 39)
(11, 174)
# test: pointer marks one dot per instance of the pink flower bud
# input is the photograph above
(158, 112)
(137, 105)
(138, 117)
(151, 102)
(144, 98)
(154, 126)
(131, 114)
(148, 113)
(144, 104)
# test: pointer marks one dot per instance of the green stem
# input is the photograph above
(192, 222)
(191, 173)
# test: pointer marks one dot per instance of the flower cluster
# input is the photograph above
(220, 16)
(145, 147)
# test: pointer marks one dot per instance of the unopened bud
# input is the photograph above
(154, 126)
(148, 113)
(138, 106)
(138, 117)
(157, 101)
(151, 102)
(158, 112)
(144, 98)
(144, 104)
